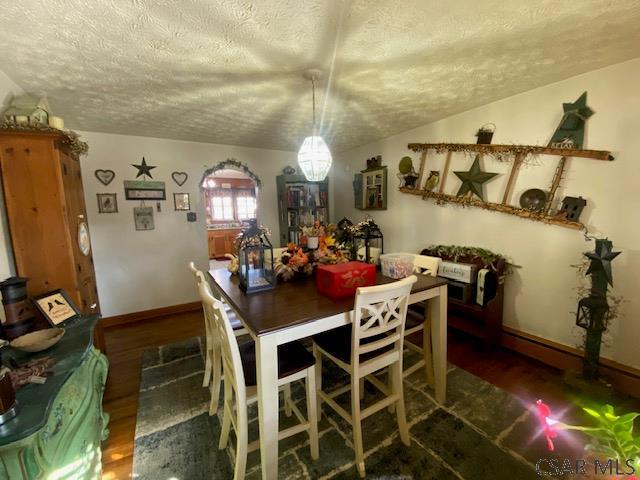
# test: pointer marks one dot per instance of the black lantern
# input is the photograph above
(255, 257)
(593, 312)
(368, 241)
(19, 316)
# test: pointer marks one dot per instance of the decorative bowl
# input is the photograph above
(533, 199)
(38, 341)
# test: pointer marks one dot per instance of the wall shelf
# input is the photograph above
(519, 153)
(512, 149)
(496, 207)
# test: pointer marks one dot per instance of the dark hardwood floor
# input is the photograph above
(515, 373)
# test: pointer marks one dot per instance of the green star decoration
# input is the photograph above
(143, 168)
(473, 180)
(601, 260)
(571, 128)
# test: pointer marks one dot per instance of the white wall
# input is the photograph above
(140, 270)
(539, 296)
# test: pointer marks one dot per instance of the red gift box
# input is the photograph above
(342, 280)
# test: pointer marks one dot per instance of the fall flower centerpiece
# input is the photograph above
(298, 262)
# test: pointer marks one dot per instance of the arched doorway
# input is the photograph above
(230, 192)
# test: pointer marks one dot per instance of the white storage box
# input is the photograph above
(396, 265)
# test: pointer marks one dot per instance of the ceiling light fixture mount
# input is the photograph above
(314, 157)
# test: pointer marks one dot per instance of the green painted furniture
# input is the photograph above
(60, 424)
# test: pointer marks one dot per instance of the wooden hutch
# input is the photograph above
(46, 214)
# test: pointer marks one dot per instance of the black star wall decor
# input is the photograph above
(601, 260)
(143, 168)
(473, 179)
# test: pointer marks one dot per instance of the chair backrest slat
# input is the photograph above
(381, 311)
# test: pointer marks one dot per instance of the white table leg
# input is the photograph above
(438, 313)
(267, 373)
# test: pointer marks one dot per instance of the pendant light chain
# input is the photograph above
(313, 96)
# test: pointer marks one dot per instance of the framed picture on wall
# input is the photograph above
(143, 217)
(181, 201)
(144, 190)
(107, 203)
(56, 307)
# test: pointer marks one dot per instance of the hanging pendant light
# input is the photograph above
(314, 156)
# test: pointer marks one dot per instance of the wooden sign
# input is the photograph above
(144, 190)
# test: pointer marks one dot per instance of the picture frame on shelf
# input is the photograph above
(56, 307)
(181, 202)
(107, 203)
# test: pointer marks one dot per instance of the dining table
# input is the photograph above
(295, 310)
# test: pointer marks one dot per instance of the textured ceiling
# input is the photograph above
(230, 71)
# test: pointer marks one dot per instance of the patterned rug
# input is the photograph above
(481, 433)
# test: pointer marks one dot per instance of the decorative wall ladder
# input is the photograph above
(519, 153)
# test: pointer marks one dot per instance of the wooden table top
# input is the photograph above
(293, 303)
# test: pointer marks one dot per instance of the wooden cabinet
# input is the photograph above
(222, 241)
(44, 199)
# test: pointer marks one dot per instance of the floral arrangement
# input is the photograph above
(364, 227)
(315, 230)
(296, 262)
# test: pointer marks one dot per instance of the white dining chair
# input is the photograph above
(212, 361)
(418, 321)
(372, 342)
(239, 367)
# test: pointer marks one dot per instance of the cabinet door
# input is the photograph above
(230, 241)
(35, 213)
(211, 244)
(219, 245)
(77, 215)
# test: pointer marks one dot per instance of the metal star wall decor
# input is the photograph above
(143, 168)
(473, 179)
(601, 259)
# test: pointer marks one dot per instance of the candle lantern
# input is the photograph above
(255, 256)
(18, 312)
(368, 241)
(593, 313)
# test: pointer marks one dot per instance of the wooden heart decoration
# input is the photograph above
(179, 177)
(105, 176)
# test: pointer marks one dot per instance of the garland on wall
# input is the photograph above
(68, 138)
(233, 164)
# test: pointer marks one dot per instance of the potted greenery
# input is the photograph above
(313, 234)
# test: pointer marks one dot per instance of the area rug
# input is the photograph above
(481, 433)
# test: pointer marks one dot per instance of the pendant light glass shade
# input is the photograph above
(314, 158)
